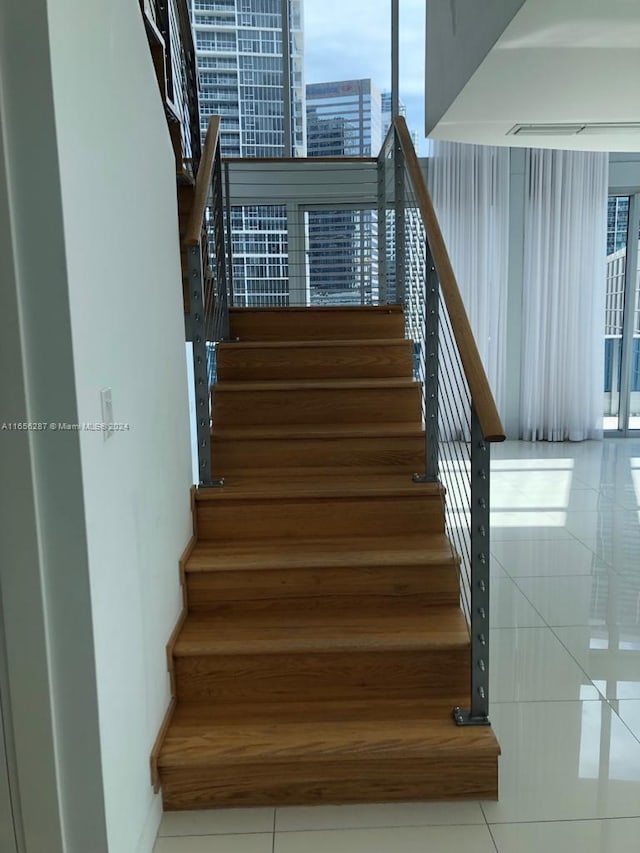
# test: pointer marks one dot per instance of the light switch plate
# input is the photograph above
(106, 400)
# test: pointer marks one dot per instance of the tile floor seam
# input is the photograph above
(561, 820)
(533, 605)
(493, 840)
(594, 552)
(385, 827)
(381, 826)
(599, 698)
(622, 720)
(273, 831)
(577, 662)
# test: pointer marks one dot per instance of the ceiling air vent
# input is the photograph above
(590, 129)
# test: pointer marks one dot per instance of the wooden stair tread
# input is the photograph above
(314, 385)
(243, 487)
(344, 552)
(278, 631)
(205, 735)
(321, 309)
(340, 430)
(314, 344)
(322, 646)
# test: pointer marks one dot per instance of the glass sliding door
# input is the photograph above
(621, 410)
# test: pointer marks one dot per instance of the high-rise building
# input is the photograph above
(617, 223)
(239, 51)
(387, 111)
(344, 119)
(386, 119)
(240, 60)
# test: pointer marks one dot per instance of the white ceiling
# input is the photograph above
(557, 62)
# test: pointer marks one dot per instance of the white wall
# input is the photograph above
(43, 553)
(8, 840)
(460, 33)
(117, 176)
(90, 532)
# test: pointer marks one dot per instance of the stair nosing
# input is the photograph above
(236, 489)
(268, 432)
(297, 309)
(415, 553)
(271, 385)
(427, 729)
(321, 343)
(300, 635)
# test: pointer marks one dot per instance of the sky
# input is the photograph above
(351, 39)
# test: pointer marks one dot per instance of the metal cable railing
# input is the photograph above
(458, 409)
(305, 232)
(180, 77)
(207, 289)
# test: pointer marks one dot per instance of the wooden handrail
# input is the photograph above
(479, 388)
(203, 183)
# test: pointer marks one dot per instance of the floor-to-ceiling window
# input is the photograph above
(622, 317)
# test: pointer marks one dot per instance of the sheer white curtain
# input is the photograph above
(563, 295)
(469, 185)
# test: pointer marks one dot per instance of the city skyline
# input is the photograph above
(344, 119)
(333, 53)
(239, 50)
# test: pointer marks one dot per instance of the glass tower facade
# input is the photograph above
(617, 223)
(239, 51)
(240, 60)
(344, 119)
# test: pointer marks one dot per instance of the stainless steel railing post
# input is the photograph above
(478, 713)
(431, 378)
(200, 371)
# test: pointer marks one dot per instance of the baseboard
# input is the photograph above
(155, 776)
(149, 833)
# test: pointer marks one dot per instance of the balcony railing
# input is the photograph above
(169, 31)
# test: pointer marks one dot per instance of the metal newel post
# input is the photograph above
(228, 232)
(399, 205)
(221, 302)
(382, 229)
(200, 372)
(431, 361)
(398, 156)
(395, 58)
(478, 715)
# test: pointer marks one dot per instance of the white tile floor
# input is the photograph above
(565, 677)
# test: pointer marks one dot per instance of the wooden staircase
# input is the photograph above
(322, 647)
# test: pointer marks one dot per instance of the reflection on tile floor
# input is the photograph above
(565, 675)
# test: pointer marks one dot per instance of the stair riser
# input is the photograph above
(316, 325)
(456, 777)
(371, 454)
(322, 362)
(383, 587)
(316, 406)
(388, 516)
(424, 674)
